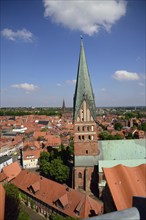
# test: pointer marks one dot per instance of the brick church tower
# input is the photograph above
(85, 134)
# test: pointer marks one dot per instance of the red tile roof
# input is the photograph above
(3, 177)
(2, 202)
(126, 182)
(28, 154)
(51, 192)
(12, 170)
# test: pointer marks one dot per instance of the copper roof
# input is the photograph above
(83, 90)
(126, 182)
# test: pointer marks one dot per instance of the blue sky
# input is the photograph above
(40, 43)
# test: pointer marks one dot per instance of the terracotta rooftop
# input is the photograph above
(3, 177)
(126, 182)
(73, 202)
(12, 170)
(29, 154)
(2, 202)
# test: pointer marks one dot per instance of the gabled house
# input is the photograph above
(30, 159)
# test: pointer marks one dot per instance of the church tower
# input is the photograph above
(63, 106)
(85, 133)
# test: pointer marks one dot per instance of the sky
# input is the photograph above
(40, 44)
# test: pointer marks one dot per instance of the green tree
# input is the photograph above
(129, 115)
(142, 126)
(12, 202)
(55, 216)
(129, 136)
(44, 163)
(118, 137)
(23, 216)
(58, 171)
(44, 156)
(118, 126)
(104, 135)
(44, 168)
(71, 148)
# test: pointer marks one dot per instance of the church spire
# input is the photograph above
(83, 90)
(63, 106)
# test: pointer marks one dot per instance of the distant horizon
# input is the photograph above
(130, 106)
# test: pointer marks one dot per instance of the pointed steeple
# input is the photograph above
(83, 90)
(63, 106)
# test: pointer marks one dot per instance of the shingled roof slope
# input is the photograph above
(126, 182)
(50, 192)
(12, 170)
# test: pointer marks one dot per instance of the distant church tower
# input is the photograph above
(85, 134)
(63, 107)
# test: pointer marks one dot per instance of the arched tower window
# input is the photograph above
(80, 175)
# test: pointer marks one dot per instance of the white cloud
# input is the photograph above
(84, 15)
(23, 35)
(67, 82)
(123, 75)
(59, 84)
(25, 86)
(72, 82)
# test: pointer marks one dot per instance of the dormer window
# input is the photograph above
(62, 202)
(34, 187)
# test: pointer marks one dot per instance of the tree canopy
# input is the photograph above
(53, 165)
(142, 126)
(105, 135)
(58, 171)
(118, 126)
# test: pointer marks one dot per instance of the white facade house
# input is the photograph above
(30, 159)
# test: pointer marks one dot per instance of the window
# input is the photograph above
(80, 175)
(86, 151)
(78, 128)
(89, 137)
(83, 137)
(79, 137)
(83, 128)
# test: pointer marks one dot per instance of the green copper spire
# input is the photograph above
(83, 90)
